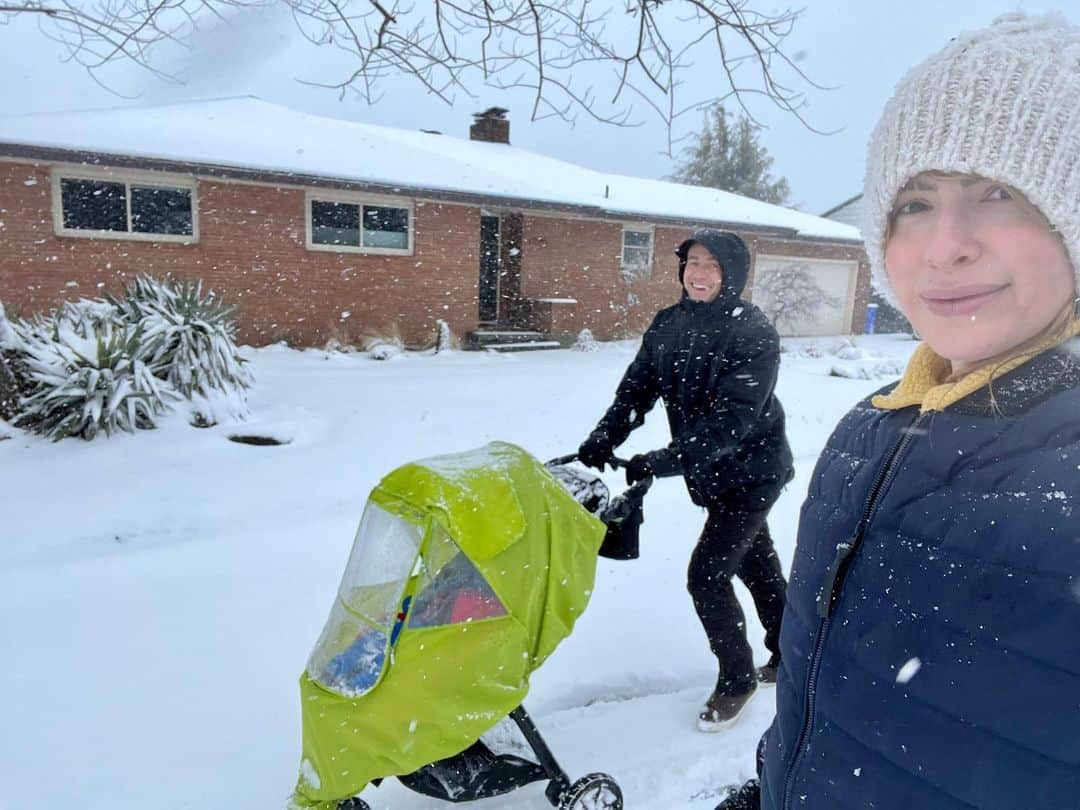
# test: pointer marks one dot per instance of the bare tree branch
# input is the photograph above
(556, 49)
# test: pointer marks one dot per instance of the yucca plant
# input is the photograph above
(188, 338)
(83, 365)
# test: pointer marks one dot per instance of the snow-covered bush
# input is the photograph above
(585, 342)
(188, 338)
(13, 376)
(849, 352)
(98, 366)
(384, 346)
(384, 350)
(85, 375)
(444, 338)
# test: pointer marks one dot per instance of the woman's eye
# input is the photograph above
(910, 207)
(998, 193)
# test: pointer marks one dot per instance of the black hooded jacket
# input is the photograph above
(714, 365)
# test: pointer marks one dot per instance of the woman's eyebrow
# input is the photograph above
(929, 184)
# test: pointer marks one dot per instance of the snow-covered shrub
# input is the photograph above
(384, 350)
(7, 334)
(585, 342)
(335, 345)
(849, 352)
(384, 346)
(188, 340)
(85, 374)
(444, 338)
(14, 381)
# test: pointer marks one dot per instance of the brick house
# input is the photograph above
(318, 228)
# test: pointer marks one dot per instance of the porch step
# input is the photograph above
(523, 346)
(510, 340)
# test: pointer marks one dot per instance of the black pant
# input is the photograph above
(736, 542)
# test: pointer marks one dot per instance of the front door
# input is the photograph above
(489, 269)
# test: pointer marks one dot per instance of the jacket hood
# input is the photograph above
(730, 251)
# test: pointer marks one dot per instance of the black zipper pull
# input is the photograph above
(827, 594)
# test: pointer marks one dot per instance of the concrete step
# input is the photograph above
(509, 340)
(505, 335)
(522, 346)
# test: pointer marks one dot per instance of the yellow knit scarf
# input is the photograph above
(926, 379)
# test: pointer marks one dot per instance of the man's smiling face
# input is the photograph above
(703, 277)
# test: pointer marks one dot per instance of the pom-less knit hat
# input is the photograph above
(1003, 103)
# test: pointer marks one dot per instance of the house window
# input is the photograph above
(637, 249)
(114, 206)
(369, 226)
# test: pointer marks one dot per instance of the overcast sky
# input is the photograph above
(860, 47)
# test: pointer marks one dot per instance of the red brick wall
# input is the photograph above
(251, 251)
(581, 258)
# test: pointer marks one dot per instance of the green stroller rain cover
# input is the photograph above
(466, 573)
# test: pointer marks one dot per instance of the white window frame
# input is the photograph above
(360, 200)
(128, 178)
(635, 271)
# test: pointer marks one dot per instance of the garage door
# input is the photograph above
(803, 296)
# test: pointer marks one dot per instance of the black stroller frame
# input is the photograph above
(478, 772)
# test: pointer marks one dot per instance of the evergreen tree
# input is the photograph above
(729, 157)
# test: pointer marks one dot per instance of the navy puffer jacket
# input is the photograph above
(931, 641)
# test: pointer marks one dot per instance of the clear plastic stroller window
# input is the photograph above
(451, 589)
(350, 655)
(382, 558)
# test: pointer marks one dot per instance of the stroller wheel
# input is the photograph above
(355, 803)
(596, 791)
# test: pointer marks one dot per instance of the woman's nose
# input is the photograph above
(952, 242)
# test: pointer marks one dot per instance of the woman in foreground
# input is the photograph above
(931, 643)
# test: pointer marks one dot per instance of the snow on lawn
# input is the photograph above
(161, 591)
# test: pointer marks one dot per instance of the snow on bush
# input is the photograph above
(99, 366)
(13, 376)
(444, 338)
(85, 375)
(585, 342)
(189, 338)
(7, 334)
(384, 350)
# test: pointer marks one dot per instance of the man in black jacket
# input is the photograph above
(713, 359)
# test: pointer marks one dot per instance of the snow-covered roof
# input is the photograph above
(851, 211)
(250, 134)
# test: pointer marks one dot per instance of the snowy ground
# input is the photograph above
(160, 592)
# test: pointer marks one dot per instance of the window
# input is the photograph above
(351, 654)
(636, 252)
(113, 205)
(370, 226)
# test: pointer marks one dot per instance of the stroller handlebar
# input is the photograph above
(614, 461)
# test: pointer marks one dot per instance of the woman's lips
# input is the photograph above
(960, 301)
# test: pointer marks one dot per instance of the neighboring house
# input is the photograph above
(318, 228)
(888, 318)
(849, 212)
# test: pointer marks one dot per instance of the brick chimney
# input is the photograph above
(491, 125)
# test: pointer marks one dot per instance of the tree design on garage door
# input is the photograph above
(792, 295)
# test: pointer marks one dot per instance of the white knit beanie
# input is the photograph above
(1003, 103)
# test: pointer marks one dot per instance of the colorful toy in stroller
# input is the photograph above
(466, 572)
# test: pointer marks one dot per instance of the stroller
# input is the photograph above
(466, 572)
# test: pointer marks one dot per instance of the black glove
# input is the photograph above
(639, 468)
(595, 451)
(748, 797)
